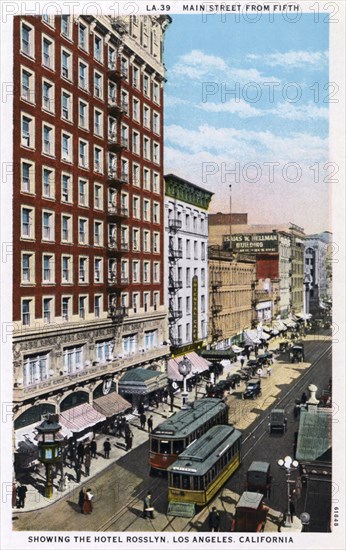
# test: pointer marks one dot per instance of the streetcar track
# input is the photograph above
(170, 523)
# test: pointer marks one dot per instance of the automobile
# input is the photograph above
(297, 353)
(277, 421)
(250, 513)
(283, 346)
(265, 359)
(253, 389)
(258, 478)
(235, 377)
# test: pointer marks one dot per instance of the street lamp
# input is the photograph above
(49, 449)
(289, 465)
(184, 368)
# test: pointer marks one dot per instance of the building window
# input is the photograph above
(129, 343)
(146, 210)
(156, 300)
(146, 85)
(28, 132)
(135, 271)
(146, 301)
(36, 369)
(188, 277)
(156, 183)
(135, 302)
(135, 240)
(98, 274)
(135, 77)
(83, 153)
(83, 37)
(202, 276)
(203, 249)
(150, 339)
(104, 350)
(136, 175)
(124, 271)
(28, 86)
(202, 303)
(98, 306)
(146, 148)
(66, 308)
(195, 250)
(66, 188)
(47, 53)
(48, 275)
(47, 310)
(156, 93)
(188, 248)
(124, 67)
(187, 334)
(156, 212)
(135, 109)
(146, 116)
(156, 272)
(156, 153)
(83, 75)
(146, 179)
(82, 231)
(28, 177)
(66, 147)
(83, 115)
(98, 87)
(98, 160)
(83, 199)
(111, 58)
(156, 242)
(98, 122)
(83, 275)
(27, 310)
(98, 234)
(98, 50)
(48, 102)
(73, 359)
(28, 268)
(27, 42)
(66, 228)
(156, 123)
(146, 241)
(135, 142)
(66, 269)
(66, 25)
(146, 272)
(66, 105)
(66, 65)
(48, 226)
(48, 140)
(98, 197)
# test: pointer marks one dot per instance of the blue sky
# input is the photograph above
(278, 114)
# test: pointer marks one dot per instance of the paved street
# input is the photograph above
(120, 488)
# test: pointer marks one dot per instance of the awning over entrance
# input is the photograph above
(218, 354)
(111, 404)
(290, 323)
(81, 417)
(142, 381)
(251, 338)
(279, 325)
(199, 364)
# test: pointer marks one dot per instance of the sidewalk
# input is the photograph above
(35, 481)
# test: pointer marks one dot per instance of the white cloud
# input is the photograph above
(173, 101)
(291, 58)
(240, 108)
(293, 111)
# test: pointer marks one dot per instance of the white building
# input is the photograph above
(186, 263)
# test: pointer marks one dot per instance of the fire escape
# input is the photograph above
(215, 302)
(117, 178)
(174, 283)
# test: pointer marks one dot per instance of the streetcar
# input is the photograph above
(201, 470)
(172, 436)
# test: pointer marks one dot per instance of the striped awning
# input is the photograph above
(198, 365)
(111, 404)
(81, 417)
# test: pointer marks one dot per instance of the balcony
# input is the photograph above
(216, 308)
(112, 279)
(115, 107)
(175, 253)
(174, 225)
(118, 313)
(117, 212)
(174, 285)
(113, 177)
(175, 314)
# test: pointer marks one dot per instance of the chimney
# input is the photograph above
(312, 402)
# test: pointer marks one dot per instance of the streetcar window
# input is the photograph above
(178, 446)
(185, 482)
(165, 447)
(154, 445)
(196, 483)
(176, 480)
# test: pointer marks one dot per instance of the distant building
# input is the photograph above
(316, 273)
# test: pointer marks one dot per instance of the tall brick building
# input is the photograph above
(88, 232)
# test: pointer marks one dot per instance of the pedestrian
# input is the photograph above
(128, 440)
(14, 494)
(242, 361)
(164, 401)
(143, 420)
(80, 452)
(269, 370)
(148, 509)
(87, 504)
(292, 510)
(303, 398)
(78, 471)
(150, 423)
(71, 452)
(156, 399)
(21, 494)
(118, 430)
(87, 463)
(123, 425)
(141, 408)
(107, 447)
(93, 448)
(127, 428)
(214, 520)
(81, 499)
(171, 400)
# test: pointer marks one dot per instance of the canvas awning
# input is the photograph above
(142, 381)
(290, 323)
(199, 364)
(251, 338)
(217, 354)
(279, 325)
(237, 349)
(80, 417)
(111, 404)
